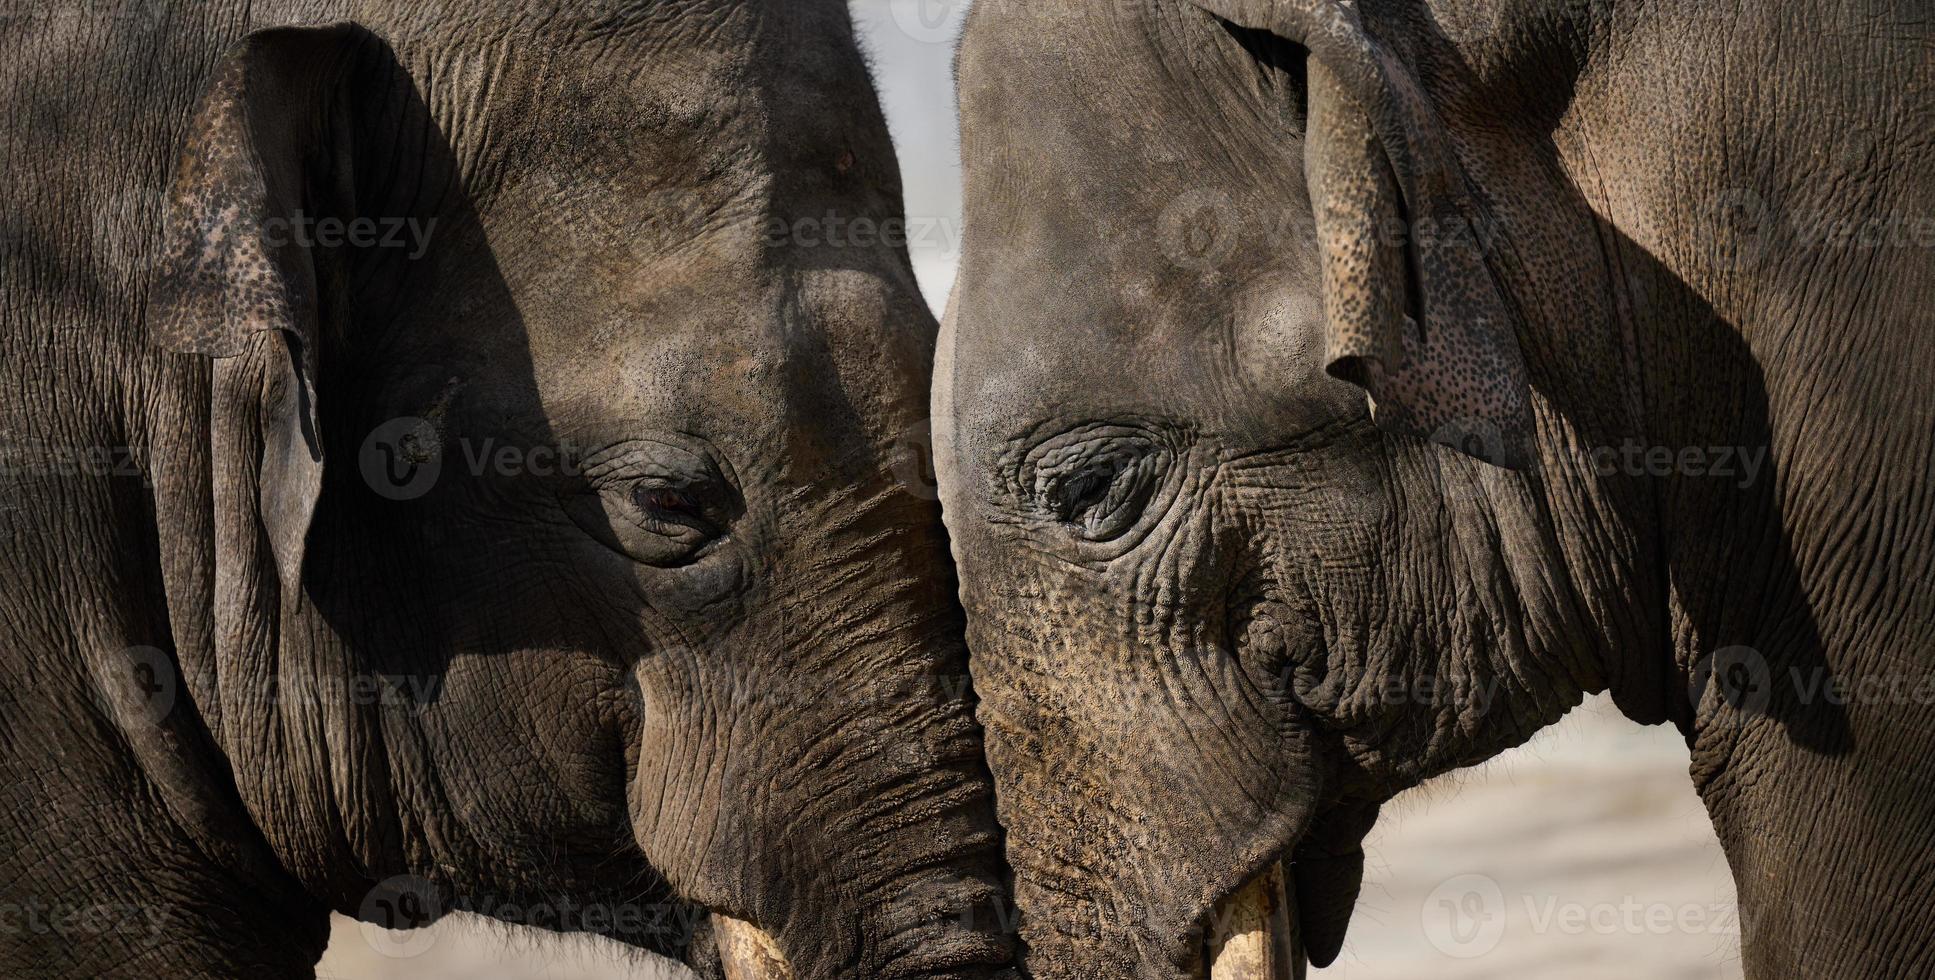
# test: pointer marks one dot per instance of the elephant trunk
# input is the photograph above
(835, 811)
(1145, 839)
(1122, 923)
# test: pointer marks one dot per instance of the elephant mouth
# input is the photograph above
(1255, 932)
(747, 952)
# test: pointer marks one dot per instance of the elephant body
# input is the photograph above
(433, 484)
(1638, 293)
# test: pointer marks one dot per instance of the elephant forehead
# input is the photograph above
(1136, 244)
(642, 124)
(1003, 391)
(1158, 98)
(1063, 291)
(1050, 319)
(839, 357)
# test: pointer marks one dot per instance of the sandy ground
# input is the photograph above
(1583, 855)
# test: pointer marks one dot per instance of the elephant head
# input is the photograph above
(541, 515)
(1238, 447)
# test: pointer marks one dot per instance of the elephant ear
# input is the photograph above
(1414, 314)
(238, 280)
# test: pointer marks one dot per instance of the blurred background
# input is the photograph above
(1582, 855)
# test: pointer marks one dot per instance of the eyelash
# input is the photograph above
(1076, 494)
(668, 510)
(1104, 499)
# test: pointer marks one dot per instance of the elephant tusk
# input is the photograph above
(1255, 934)
(746, 952)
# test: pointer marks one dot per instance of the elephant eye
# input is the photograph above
(657, 502)
(1095, 480)
(666, 502)
(1103, 499)
(672, 511)
(1083, 492)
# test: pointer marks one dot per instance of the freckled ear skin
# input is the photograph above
(266, 150)
(1414, 314)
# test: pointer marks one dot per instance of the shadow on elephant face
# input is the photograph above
(1266, 417)
(561, 538)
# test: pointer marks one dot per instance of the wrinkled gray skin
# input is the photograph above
(709, 659)
(1218, 613)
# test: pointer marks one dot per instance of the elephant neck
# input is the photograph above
(1719, 350)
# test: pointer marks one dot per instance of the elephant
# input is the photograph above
(1334, 394)
(439, 478)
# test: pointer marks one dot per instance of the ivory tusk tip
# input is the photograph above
(746, 952)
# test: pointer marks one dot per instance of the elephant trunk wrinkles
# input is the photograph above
(855, 788)
(1130, 839)
(1084, 911)
(919, 827)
